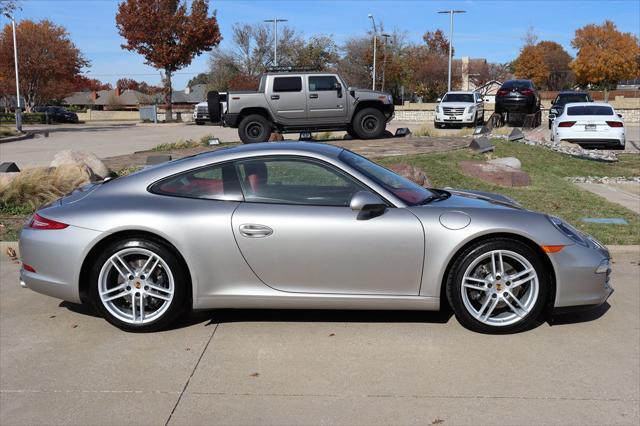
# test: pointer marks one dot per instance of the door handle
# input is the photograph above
(275, 97)
(313, 96)
(251, 230)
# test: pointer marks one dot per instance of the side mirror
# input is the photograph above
(620, 115)
(367, 202)
(439, 100)
(553, 101)
(338, 88)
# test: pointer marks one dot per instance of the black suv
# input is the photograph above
(516, 98)
(56, 114)
(563, 98)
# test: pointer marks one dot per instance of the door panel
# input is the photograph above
(323, 98)
(314, 249)
(288, 99)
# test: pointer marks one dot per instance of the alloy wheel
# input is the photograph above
(500, 288)
(136, 286)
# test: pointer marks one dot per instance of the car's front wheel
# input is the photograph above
(369, 123)
(138, 284)
(498, 286)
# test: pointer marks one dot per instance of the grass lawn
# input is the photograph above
(550, 192)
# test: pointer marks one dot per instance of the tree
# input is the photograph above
(201, 78)
(8, 7)
(166, 35)
(49, 62)
(605, 55)
(84, 84)
(429, 66)
(557, 60)
(437, 43)
(530, 64)
(251, 54)
(127, 84)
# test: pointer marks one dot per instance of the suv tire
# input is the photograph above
(254, 128)
(369, 123)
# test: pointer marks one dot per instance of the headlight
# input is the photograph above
(471, 109)
(568, 230)
(390, 99)
(437, 108)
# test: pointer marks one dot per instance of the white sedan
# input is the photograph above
(590, 124)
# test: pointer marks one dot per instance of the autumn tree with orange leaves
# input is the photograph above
(531, 65)
(49, 62)
(167, 35)
(605, 55)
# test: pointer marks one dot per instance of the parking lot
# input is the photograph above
(59, 364)
(111, 139)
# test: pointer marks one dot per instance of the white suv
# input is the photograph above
(463, 108)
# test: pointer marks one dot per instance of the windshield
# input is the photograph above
(409, 192)
(590, 110)
(458, 97)
(568, 99)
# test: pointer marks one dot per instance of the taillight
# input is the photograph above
(28, 268)
(502, 92)
(566, 123)
(615, 123)
(39, 222)
(526, 92)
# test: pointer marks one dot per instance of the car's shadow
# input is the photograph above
(221, 316)
(579, 316)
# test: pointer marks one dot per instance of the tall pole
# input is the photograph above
(384, 60)
(275, 38)
(15, 59)
(451, 13)
(375, 43)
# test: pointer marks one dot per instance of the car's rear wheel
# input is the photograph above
(498, 286)
(254, 128)
(138, 285)
(369, 123)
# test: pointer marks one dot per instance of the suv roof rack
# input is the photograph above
(290, 69)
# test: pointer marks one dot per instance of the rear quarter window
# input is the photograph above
(287, 84)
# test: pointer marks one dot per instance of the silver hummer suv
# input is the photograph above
(290, 102)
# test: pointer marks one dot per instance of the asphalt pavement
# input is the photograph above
(60, 364)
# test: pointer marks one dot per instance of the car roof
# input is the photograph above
(573, 92)
(459, 92)
(590, 104)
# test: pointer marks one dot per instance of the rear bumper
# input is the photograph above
(57, 257)
(231, 120)
(519, 105)
(612, 137)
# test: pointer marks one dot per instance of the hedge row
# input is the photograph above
(27, 117)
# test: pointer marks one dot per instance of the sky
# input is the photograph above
(489, 29)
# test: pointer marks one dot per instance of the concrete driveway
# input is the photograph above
(59, 364)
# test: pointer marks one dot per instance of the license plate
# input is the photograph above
(452, 118)
(590, 127)
(513, 94)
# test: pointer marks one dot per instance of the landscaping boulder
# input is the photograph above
(512, 162)
(413, 173)
(94, 166)
(498, 174)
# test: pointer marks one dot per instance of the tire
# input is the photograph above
(254, 128)
(164, 293)
(351, 132)
(492, 296)
(550, 124)
(199, 122)
(369, 123)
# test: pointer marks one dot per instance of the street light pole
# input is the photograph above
(384, 60)
(451, 13)
(275, 38)
(15, 58)
(375, 43)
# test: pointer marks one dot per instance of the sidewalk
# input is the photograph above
(627, 195)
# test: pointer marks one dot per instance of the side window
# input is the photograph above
(322, 83)
(216, 182)
(287, 84)
(295, 181)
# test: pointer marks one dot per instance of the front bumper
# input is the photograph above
(466, 118)
(57, 257)
(582, 276)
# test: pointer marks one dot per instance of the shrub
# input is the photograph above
(27, 118)
(38, 186)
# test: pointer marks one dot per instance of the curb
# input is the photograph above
(28, 135)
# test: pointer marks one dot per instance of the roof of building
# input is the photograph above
(192, 95)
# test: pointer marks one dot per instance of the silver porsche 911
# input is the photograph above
(304, 225)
